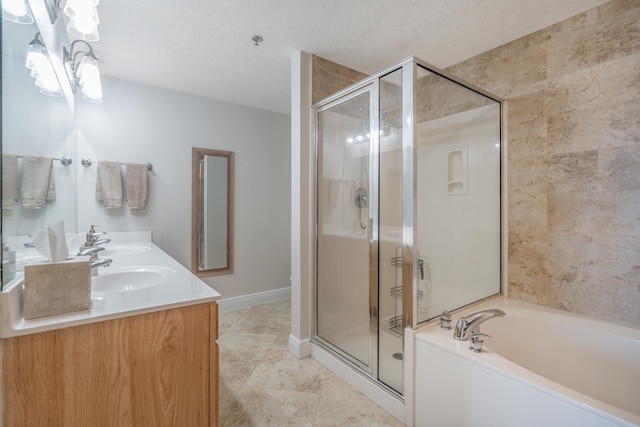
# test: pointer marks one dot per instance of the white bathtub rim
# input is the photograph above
(443, 339)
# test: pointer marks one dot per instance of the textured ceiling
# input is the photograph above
(204, 47)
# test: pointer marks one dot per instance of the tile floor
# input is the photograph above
(262, 384)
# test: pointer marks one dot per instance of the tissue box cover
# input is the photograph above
(53, 288)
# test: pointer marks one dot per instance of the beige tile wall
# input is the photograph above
(573, 92)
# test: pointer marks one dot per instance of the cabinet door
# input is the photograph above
(146, 370)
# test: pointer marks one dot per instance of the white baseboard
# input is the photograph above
(299, 349)
(387, 401)
(247, 301)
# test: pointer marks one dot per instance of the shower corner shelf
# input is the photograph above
(395, 326)
(396, 292)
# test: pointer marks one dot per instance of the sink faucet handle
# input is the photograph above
(92, 234)
(89, 250)
(477, 340)
(445, 320)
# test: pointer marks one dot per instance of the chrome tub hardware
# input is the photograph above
(445, 320)
(477, 340)
(466, 326)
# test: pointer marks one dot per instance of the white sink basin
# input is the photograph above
(131, 278)
(114, 251)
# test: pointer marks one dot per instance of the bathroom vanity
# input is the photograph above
(145, 354)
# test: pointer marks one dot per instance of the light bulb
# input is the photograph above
(17, 11)
(83, 29)
(89, 79)
(36, 56)
(73, 8)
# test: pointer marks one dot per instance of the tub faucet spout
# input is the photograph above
(470, 324)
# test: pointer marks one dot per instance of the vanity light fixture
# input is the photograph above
(17, 11)
(83, 19)
(42, 71)
(82, 16)
(83, 72)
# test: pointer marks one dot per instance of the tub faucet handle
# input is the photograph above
(445, 320)
(477, 340)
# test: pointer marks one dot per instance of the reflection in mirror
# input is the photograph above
(212, 212)
(32, 125)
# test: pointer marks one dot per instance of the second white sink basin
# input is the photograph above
(113, 251)
(131, 278)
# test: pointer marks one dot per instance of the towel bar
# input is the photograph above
(66, 161)
(88, 162)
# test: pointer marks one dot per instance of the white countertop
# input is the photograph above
(128, 250)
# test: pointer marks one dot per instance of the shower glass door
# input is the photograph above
(347, 264)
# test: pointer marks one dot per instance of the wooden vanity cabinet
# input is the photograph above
(154, 369)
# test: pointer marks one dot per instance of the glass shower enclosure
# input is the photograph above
(408, 211)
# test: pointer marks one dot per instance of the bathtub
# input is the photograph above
(541, 367)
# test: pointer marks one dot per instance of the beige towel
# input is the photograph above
(38, 184)
(9, 180)
(109, 184)
(136, 179)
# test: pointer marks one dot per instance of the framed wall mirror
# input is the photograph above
(212, 212)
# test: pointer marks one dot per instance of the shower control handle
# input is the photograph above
(361, 200)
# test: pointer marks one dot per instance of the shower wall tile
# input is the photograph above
(527, 265)
(575, 294)
(571, 92)
(621, 123)
(574, 148)
(619, 80)
(619, 106)
(619, 258)
(619, 168)
(329, 78)
(494, 70)
(596, 36)
(528, 211)
(576, 212)
(528, 175)
(572, 256)
(527, 127)
(577, 171)
(624, 302)
(619, 213)
(574, 131)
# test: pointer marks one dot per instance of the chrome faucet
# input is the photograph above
(93, 236)
(101, 241)
(89, 250)
(102, 262)
(470, 324)
(96, 262)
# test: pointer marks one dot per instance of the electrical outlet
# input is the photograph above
(8, 213)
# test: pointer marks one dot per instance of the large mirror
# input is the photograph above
(39, 123)
(212, 212)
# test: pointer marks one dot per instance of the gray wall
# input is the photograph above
(145, 124)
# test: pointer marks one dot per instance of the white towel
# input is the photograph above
(136, 181)
(9, 180)
(109, 184)
(38, 184)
